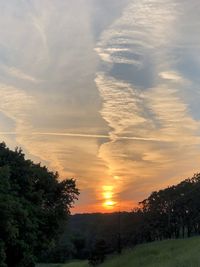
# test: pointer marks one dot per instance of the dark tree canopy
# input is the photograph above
(34, 205)
(173, 212)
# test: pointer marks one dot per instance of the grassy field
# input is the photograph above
(169, 253)
(72, 264)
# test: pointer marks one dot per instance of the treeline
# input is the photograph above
(173, 212)
(34, 206)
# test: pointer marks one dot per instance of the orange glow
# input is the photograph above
(104, 208)
(109, 204)
(108, 188)
(108, 195)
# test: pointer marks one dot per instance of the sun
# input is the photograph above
(109, 204)
(108, 193)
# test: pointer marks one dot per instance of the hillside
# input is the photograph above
(170, 213)
(169, 253)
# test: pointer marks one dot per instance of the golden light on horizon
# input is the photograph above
(108, 203)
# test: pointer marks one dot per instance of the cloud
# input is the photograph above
(39, 24)
(171, 113)
(168, 143)
(145, 134)
(121, 104)
(19, 74)
(82, 135)
(144, 26)
(172, 76)
(43, 47)
(15, 104)
(158, 114)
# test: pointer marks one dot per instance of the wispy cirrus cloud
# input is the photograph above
(171, 114)
(38, 62)
(17, 106)
(121, 104)
(144, 26)
(146, 35)
(11, 105)
(172, 76)
(136, 127)
(19, 74)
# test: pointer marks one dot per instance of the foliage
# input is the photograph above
(34, 206)
(168, 253)
(98, 253)
(172, 212)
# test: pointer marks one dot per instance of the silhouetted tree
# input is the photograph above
(34, 206)
(174, 211)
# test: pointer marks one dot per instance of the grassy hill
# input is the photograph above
(169, 253)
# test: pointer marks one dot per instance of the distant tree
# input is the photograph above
(173, 212)
(34, 206)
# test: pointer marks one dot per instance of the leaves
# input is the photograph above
(34, 205)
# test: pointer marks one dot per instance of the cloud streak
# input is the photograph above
(19, 74)
(95, 136)
(121, 105)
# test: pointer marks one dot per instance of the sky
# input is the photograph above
(104, 91)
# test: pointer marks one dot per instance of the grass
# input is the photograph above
(71, 264)
(169, 253)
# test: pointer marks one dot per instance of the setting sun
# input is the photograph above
(108, 193)
(109, 204)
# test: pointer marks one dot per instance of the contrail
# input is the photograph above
(73, 135)
(8, 133)
(98, 136)
(85, 136)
